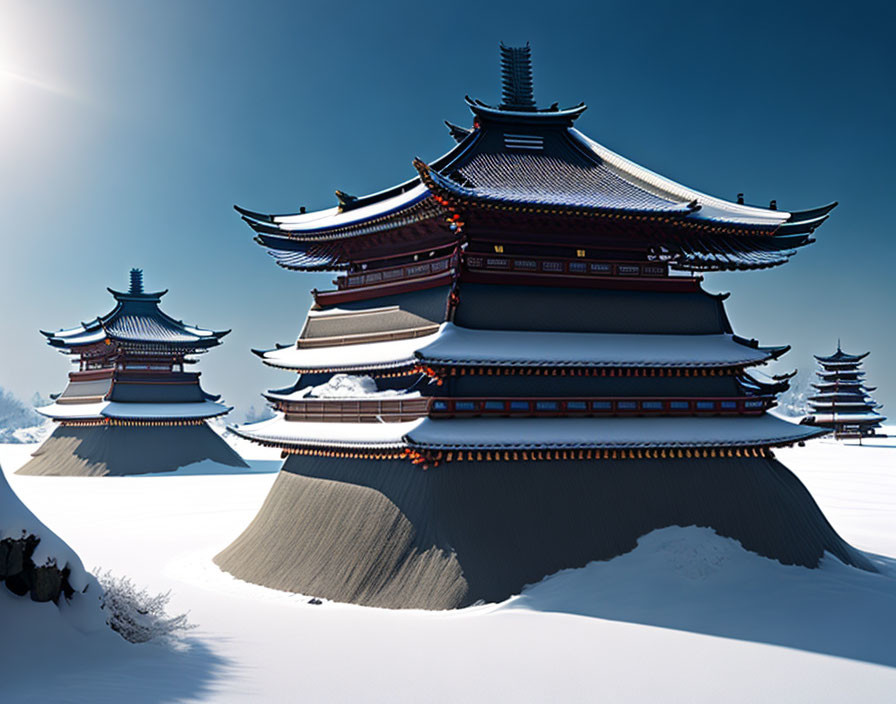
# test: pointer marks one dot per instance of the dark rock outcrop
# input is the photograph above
(21, 576)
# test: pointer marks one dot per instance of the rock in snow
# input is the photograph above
(24, 538)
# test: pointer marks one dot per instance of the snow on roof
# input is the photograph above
(73, 411)
(135, 411)
(278, 430)
(82, 336)
(846, 417)
(457, 345)
(336, 217)
(372, 355)
(203, 409)
(71, 331)
(712, 208)
(551, 433)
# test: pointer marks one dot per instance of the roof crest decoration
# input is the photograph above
(516, 78)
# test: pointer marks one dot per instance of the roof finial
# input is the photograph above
(838, 345)
(136, 281)
(516, 78)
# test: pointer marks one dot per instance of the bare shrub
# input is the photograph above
(135, 614)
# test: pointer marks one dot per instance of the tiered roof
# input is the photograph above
(520, 162)
(843, 402)
(136, 321)
(128, 358)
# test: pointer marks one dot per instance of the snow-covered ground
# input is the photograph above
(686, 617)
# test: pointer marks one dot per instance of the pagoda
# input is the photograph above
(842, 402)
(130, 407)
(518, 371)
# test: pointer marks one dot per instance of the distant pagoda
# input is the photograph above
(130, 408)
(516, 324)
(842, 402)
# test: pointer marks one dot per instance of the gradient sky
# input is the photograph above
(129, 129)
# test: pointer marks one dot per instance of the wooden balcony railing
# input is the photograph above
(389, 410)
(556, 266)
(395, 410)
(413, 270)
(592, 406)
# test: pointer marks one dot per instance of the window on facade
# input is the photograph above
(519, 405)
(464, 405)
(705, 405)
(678, 405)
(652, 405)
(494, 405)
(576, 406)
(546, 405)
(602, 405)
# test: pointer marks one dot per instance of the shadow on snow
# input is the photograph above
(691, 579)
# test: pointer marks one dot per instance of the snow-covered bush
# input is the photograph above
(20, 423)
(136, 615)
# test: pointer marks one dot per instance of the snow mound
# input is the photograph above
(353, 386)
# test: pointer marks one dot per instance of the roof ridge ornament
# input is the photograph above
(136, 282)
(516, 78)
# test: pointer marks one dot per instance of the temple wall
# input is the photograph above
(549, 309)
(430, 303)
(82, 389)
(557, 386)
(93, 451)
(158, 392)
(389, 534)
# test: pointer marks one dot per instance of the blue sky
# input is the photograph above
(129, 129)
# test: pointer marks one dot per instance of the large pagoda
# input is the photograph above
(130, 407)
(519, 372)
(842, 402)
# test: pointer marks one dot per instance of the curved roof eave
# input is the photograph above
(562, 115)
(747, 214)
(360, 202)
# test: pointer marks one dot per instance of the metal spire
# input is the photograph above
(516, 78)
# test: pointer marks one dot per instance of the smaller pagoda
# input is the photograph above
(130, 407)
(843, 402)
